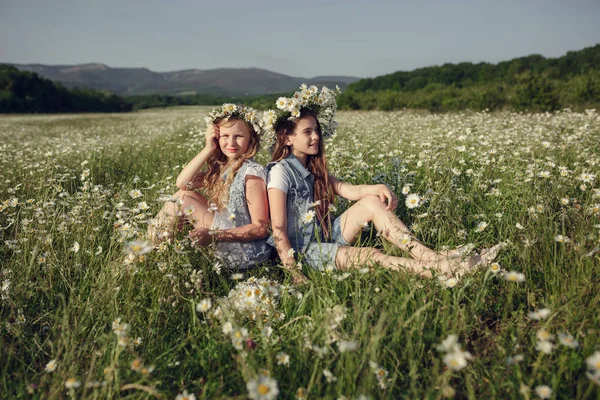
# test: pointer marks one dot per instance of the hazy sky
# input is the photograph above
(302, 38)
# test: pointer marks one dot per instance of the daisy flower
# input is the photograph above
(204, 305)
(514, 276)
(262, 388)
(412, 200)
(308, 217)
(51, 366)
(543, 391)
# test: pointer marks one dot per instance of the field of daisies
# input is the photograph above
(90, 310)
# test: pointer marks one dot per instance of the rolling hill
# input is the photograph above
(140, 81)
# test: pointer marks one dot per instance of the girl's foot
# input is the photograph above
(476, 260)
(458, 252)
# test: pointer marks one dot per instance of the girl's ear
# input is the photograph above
(288, 141)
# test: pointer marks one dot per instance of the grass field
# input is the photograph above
(87, 313)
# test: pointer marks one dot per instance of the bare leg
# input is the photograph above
(371, 209)
(169, 218)
(356, 257)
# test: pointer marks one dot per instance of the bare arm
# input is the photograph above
(357, 192)
(278, 207)
(186, 178)
(258, 206)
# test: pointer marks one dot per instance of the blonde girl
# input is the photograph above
(222, 191)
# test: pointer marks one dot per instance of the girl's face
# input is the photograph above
(234, 139)
(305, 138)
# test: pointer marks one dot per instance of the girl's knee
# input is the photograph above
(372, 202)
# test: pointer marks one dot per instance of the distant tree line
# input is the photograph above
(26, 92)
(529, 83)
(158, 100)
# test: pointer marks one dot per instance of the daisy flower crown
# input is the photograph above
(322, 103)
(248, 114)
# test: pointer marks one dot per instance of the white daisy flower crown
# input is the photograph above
(323, 104)
(228, 110)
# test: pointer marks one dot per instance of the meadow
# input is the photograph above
(90, 311)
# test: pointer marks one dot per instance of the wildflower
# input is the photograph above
(412, 200)
(315, 204)
(564, 201)
(567, 340)
(344, 346)
(204, 305)
(212, 208)
(405, 239)
(405, 190)
(329, 376)
(593, 363)
(51, 366)
(543, 391)
(237, 276)
(540, 314)
(332, 208)
(75, 247)
(98, 251)
(544, 174)
(544, 335)
(227, 328)
(587, 177)
(495, 268)
(231, 217)
(262, 388)
(450, 282)
(514, 276)
(120, 328)
(72, 383)
(308, 217)
(283, 359)
(457, 360)
(189, 209)
(291, 252)
(519, 226)
(135, 193)
(449, 344)
(562, 239)
(138, 247)
(481, 226)
(544, 346)
(185, 396)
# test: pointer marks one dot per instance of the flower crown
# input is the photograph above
(228, 110)
(323, 104)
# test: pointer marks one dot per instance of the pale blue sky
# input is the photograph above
(302, 38)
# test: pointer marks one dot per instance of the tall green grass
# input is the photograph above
(127, 326)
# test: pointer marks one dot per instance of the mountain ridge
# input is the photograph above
(128, 81)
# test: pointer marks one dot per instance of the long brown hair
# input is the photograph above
(316, 164)
(217, 188)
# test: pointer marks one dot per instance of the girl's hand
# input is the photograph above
(298, 278)
(212, 137)
(387, 197)
(200, 236)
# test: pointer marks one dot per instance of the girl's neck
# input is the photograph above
(302, 157)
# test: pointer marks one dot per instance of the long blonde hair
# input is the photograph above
(316, 164)
(217, 188)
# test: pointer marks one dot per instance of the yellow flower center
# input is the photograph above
(263, 389)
